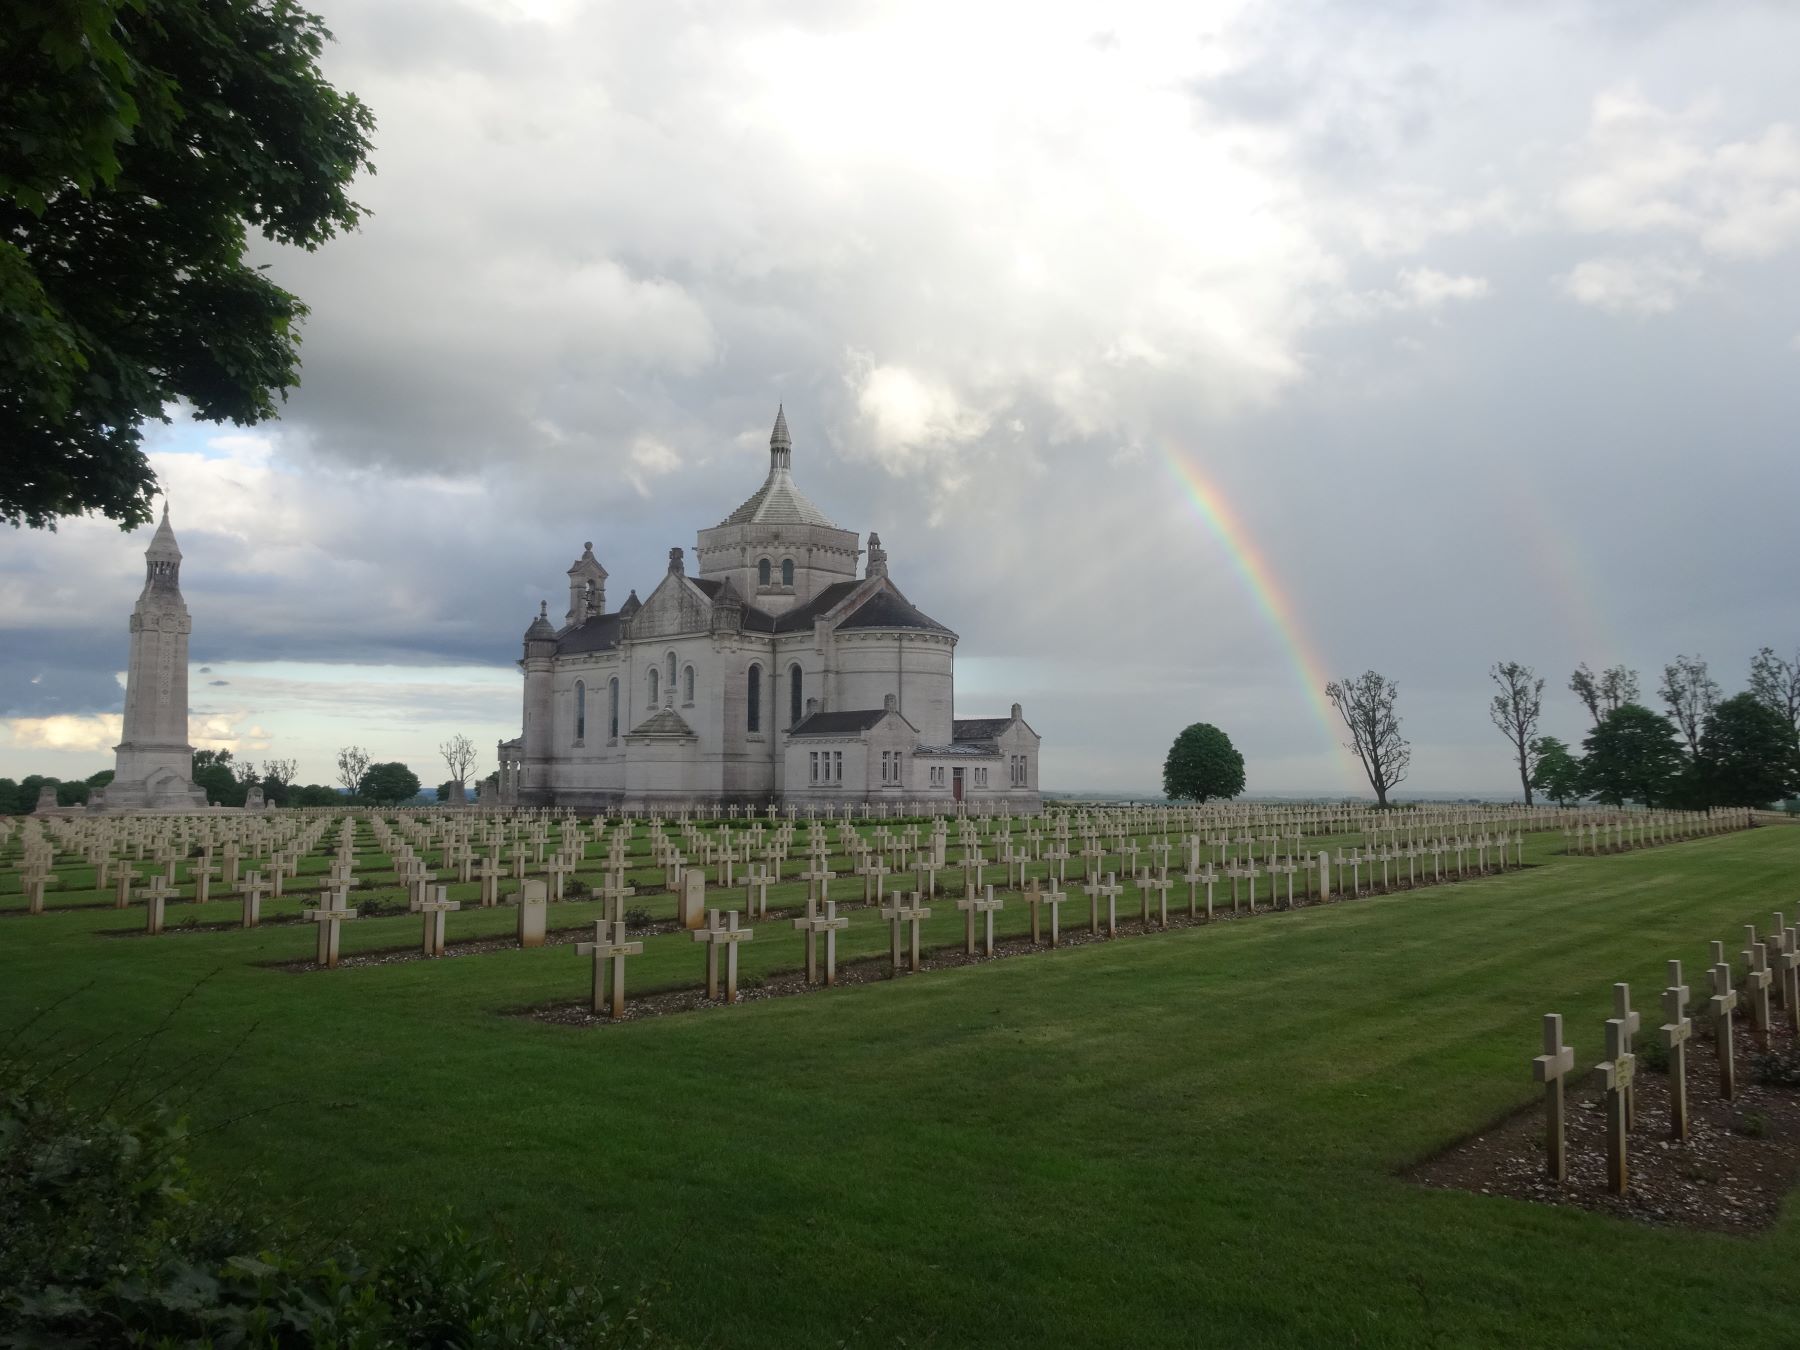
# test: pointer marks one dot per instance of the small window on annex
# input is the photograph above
(687, 684)
(653, 678)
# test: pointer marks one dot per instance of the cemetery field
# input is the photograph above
(1178, 1138)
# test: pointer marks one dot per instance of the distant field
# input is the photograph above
(1182, 1138)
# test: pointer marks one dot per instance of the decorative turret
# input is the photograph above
(587, 587)
(781, 449)
(162, 560)
(540, 630)
(877, 556)
(676, 566)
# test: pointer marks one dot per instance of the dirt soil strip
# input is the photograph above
(1732, 1174)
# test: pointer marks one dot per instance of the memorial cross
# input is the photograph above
(254, 890)
(985, 905)
(489, 876)
(1630, 1021)
(1159, 883)
(1549, 1069)
(818, 879)
(908, 911)
(1675, 1033)
(609, 949)
(433, 907)
(1110, 892)
(1616, 1073)
(1757, 980)
(330, 918)
(722, 930)
(1724, 999)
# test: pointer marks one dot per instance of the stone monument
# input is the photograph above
(155, 765)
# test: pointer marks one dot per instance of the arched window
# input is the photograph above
(671, 674)
(794, 704)
(580, 711)
(653, 688)
(612, 708)
(762, 572)
(753, 701)
(787, 571)
(687, 684)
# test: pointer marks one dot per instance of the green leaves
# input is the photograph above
(140, 142)
(1202, 764)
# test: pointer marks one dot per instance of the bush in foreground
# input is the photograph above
(106, 1241)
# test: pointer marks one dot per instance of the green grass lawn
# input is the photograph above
(1187, 1138)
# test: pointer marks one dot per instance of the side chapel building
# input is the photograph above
(775, 674)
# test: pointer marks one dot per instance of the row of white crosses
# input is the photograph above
(1770, 963)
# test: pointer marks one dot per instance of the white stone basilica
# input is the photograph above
(775, 674)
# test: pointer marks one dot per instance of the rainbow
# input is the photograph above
(1266, 590)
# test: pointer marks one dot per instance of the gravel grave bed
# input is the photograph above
(1731, 1175)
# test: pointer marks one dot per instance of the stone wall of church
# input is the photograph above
(918, 668)
(821, 556)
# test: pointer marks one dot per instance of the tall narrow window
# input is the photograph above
(612, 707)
(813, 760)
(837, 766)
(794, 708)
(580, 711)
(762, 572)
(652, 688)
(753, 701)
(687, 684)
(787, 571)
(671, 674)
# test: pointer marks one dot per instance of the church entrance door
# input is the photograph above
(956, 784)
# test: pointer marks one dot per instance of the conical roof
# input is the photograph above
(778, 501)
(163, 547)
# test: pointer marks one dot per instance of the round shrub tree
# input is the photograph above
(388, 784)
(1202, 764)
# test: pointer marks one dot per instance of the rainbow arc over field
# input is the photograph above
(1263, 584)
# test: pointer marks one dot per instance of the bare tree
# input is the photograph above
(1606, 692)
(1775, 683)
(1515, 712)
(1690, 693)
(281, 770)
(1367, 706)
(353, 763)
(459, 754)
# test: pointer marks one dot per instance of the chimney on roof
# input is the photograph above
(877, 556)
(676, 567)
(1018, 712)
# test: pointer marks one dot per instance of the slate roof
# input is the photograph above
(886, 609)
(800, 618)
(662, 722)
(778, 502)
(597, 634)
(966, 749)
(978, 728)
(852, 723)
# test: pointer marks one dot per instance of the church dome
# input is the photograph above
(778, 501)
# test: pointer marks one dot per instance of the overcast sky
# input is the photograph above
(1478, 326)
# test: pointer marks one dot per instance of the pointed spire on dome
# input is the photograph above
(781, 449)
(162, 544)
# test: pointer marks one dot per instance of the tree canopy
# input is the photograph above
(1367, 706)
(388, 784)
(1202, 764)
(1632, 755)
(1748, 753)
(140, 142)
(1555, 772)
